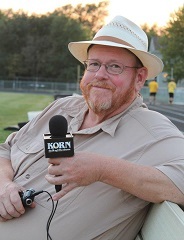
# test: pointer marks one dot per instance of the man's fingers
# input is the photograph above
(4, 214)
(10, 210)
(17, 203)
(55, 180)
(65, 189)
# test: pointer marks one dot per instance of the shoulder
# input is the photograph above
(67, 102)
(71, 103)
(67, 105)
(153, 123)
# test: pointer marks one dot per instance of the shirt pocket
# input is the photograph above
(29, 160)
(27, 152)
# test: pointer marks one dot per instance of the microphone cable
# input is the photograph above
(27, 200)
(54, 207)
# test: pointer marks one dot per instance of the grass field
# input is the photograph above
(14, 108)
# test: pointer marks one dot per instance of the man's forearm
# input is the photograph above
(6, 171)
(145, 182)
(10, 202)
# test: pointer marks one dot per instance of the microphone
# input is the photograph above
(58, 143)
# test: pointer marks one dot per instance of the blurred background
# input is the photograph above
(34, 56)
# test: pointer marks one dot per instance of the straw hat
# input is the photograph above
(123, 33)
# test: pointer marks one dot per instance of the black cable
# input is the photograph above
(27, 198)
(49, 221)
(54, 207)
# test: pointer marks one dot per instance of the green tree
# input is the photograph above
(172, 42)
(151, 31)
(91, 16)
(3, 56)
(13, 32)
(37, 45)
(63, 31)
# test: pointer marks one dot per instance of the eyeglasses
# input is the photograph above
(112, 68)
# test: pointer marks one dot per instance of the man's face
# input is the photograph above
(103, 91)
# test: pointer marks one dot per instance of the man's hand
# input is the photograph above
(10, 202)
(80, 170)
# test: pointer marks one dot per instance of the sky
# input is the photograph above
(139, 11)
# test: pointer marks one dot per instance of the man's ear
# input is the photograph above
(142, 74)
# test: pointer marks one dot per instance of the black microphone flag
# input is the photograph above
(58, 143)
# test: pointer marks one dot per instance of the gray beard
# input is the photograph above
(100, 107)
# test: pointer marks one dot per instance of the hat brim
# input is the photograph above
(150, 61)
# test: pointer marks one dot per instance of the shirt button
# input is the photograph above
(27, 176)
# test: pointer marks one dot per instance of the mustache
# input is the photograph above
(101, 84)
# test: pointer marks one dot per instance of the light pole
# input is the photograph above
(172, 68)
(172, 73)
(78, 77)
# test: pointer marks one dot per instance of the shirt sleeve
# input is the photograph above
(167, 155)
(5, 148)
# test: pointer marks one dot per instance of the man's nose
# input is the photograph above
(102, 71)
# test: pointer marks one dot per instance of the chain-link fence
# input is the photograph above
(39, 87)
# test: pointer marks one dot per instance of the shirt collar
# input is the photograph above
(77, 113)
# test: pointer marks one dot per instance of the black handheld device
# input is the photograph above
(28, 196)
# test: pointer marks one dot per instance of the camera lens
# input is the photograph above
(29, 201)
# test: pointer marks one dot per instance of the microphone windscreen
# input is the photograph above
(58, 126)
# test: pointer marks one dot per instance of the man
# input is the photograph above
(153, 88)
(123, 161)
(171, 90)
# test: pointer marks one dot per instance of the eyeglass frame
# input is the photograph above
(107, 66)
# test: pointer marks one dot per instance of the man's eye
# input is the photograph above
(114, 65)
(94, 64)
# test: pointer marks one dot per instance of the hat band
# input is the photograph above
(112, 39)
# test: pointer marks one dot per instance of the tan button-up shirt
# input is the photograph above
(97, 211)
